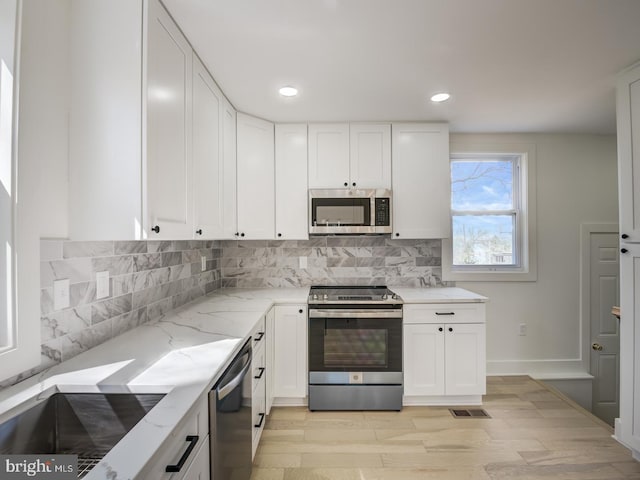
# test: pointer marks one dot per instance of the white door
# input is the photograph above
(423, 359)
(208, 178)
(290, 352)
(370, 155)
(292, 210)
(465, 359)
(329, 155)
(421, 180)
(604, 286)
(168, 128)
(256, 178)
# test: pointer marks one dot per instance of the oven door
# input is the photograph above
(355, 346)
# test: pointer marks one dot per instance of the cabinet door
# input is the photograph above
(292, 211)
(169, 204)
(329, 155)
(628, 116)
(628, 109)
(421, 181)
(229, 207)
(256, 182)
(208, 164)
(424, 359)
(370, 158)
(290, 352)
(269, 345)
(465, 359)
(200, 467)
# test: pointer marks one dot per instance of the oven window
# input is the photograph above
(356, 347)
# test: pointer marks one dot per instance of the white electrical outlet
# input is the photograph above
(203, 261)
(302, 261)
(61, 294)
(102, 284)
(523, 329)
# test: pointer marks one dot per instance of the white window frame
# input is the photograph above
(20, 320)
(524, 191)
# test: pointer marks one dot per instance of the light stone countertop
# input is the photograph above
(438, 295)
(182, 355)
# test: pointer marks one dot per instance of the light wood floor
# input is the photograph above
(534, 433)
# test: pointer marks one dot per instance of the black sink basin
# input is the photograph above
(83, 424)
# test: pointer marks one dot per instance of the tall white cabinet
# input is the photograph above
(421, 180)
(627, 427)
(167, 127)
(292, 209)
(256, 178)
(149, 159)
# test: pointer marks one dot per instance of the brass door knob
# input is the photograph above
(596, 346)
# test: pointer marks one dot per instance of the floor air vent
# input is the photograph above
(469, 413)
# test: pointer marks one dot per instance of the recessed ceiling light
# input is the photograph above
(440, 97)
(288, 91)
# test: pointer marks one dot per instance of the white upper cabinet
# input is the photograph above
(292, 210)
(370, 159)
(208, 159)
(343, 155)
(421, 180)
(168, 128)
(329, 155)
(256, 178)
(229, 207)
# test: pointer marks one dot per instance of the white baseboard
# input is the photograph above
(290, 402)
(540, 369)
(442, 401)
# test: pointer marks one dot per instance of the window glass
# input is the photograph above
(484, 214)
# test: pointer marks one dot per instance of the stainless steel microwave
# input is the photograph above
(349, 211)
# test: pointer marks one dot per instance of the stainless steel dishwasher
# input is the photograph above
(230, 420)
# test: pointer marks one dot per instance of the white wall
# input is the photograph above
(576, 183)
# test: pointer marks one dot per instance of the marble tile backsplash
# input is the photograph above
(149, 278)
(330, 260)
(146, 279)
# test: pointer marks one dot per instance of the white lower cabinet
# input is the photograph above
(269, 326)
(444, 354)
(193, 429)
(258, 382)
(200, 468)
(290, 355)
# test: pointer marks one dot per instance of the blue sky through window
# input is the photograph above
(483, 222)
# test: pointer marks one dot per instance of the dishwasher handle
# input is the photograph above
(229, 387)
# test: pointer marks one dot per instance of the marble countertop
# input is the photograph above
(438, 295)
(182, 355)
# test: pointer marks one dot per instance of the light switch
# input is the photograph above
(102, 284)
(61, 294)
(203, 260)
(302, 261)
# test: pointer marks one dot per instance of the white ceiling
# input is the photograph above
(510, 65)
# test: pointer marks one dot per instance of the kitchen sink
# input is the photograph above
(83, 424)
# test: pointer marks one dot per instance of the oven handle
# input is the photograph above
(354, 313)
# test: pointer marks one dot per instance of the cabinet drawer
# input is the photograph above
(258, 367)
(444, 313)
(195, 422)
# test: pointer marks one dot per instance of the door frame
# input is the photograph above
(586, 229)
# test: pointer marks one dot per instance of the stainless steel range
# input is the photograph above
(355, 348)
